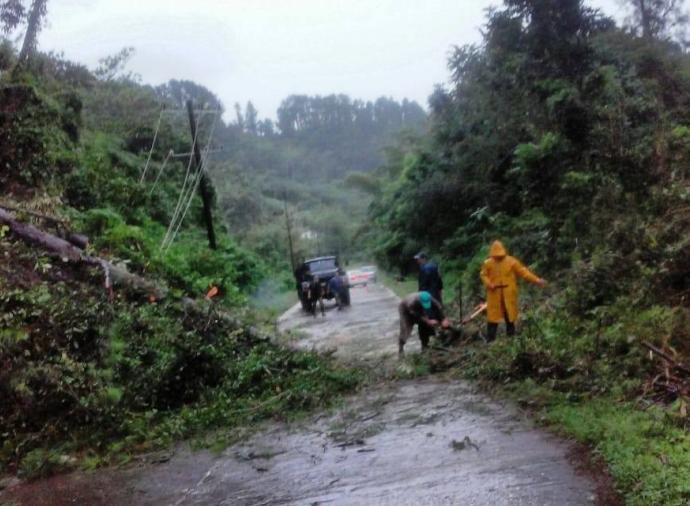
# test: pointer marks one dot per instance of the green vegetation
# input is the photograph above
(401, 285)
(316, 166)
(91, 376)
(646, 452)
(87, 379)
(564, 136)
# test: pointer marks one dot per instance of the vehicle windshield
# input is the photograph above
(327, 264)
(368, 268)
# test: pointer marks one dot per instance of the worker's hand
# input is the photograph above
(445, 323)
(541, 282)
(433, 323)
(491, 286)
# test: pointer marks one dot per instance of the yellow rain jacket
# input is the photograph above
(500, 270)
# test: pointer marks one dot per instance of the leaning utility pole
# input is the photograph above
(205, 190)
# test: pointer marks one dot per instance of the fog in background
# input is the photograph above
(264, 50)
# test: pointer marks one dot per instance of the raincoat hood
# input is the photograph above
(497, 250)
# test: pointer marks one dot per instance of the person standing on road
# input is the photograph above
(300, 274)
(423, 310)
(429, 277)
(338, 285)
(499, 275)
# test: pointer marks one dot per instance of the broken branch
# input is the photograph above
(666, 356)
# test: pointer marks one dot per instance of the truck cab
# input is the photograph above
(320, 272)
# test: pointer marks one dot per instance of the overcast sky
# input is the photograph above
(264, 50)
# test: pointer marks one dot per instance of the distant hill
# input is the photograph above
(319, 137)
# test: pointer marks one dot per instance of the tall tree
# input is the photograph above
(114, 65)
(239, 117)
(266, 128)
(179, 92)
(251, 118)
(33, 27)
(656, 18)
(12, 14)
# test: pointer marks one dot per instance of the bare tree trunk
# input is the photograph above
(68, 252)
(645, 20)
(38, 10)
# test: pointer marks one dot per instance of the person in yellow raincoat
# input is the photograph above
(499, 276)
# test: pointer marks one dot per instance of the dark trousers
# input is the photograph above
(407, 323)
(425, 333)
(492, 328)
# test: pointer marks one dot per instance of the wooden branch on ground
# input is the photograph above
(68, 252)
(78, 240)
(33, 213)
(667, 357)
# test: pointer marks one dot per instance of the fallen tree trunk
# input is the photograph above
(52, 219)
(79, 240)
(115, 275)
(68, 252)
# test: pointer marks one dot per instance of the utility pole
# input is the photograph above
(205, 190)
(288, 226)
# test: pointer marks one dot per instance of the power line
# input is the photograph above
(182, 193)
(153, 144)
(170, 154)
(194, 187)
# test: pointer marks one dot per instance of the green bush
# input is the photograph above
(82, 372)
(36, 131)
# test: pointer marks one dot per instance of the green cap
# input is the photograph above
(425, 299)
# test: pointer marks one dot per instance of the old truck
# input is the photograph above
(316, 285)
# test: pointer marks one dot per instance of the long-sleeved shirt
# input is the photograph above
(430, 280)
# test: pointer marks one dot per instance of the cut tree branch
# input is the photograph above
(667, 357)
(68, 252)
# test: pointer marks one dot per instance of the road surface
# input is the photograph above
(416, 442)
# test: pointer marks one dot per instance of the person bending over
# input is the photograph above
(420, 309)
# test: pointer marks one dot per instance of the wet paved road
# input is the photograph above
(421, 442)
(367, 330)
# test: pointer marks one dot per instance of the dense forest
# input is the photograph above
(316, 160)
(563, 133)
(566, 136)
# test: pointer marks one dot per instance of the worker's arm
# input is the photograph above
(526, 274)
(441, 317)
(484, 275)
